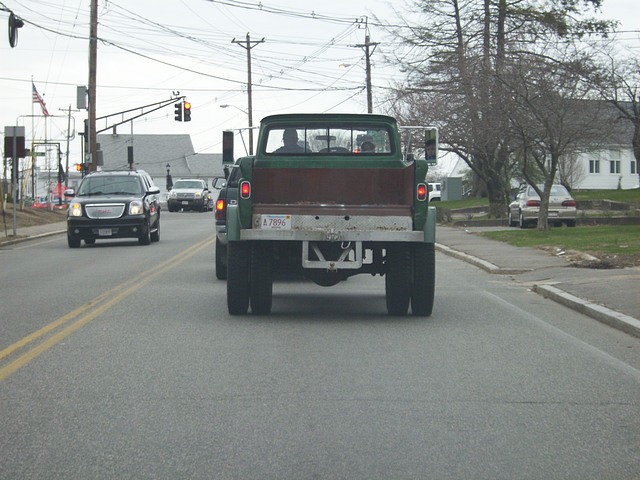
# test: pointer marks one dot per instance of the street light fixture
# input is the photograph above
(250, 125)
(169, 179)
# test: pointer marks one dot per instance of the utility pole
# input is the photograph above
(93, 56)
(248, 45)
(367, 53)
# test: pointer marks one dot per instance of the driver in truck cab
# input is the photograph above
(290, 141)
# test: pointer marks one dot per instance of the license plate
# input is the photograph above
(553, 214)
(184, 202)
(276, 222)
(104, 232)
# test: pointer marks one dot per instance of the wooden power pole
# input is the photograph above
(93, 55)
(248, 45)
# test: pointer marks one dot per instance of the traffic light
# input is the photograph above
(82, 167)
(178, 116)
(187, 111)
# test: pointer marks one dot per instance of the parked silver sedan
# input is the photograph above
(523, 211)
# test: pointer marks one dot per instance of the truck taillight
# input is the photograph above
(421, 192)
(245, 189)
(219, 205)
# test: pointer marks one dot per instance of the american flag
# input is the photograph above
(38, 99)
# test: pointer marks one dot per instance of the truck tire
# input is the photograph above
(221, 261)
(261, 278)
(238, 278)
(398, 278)
(424, 279)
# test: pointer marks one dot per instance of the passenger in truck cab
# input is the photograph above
(290, 141)
(367, 147)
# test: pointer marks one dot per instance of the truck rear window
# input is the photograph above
(339, 140)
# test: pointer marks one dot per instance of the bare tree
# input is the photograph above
(621, 88)
(457, 57)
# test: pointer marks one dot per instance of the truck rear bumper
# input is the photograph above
(333, 225)
(332, 235)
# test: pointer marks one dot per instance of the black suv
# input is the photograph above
(110, 205)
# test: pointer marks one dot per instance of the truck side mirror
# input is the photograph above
(431, 145)
(227, 147)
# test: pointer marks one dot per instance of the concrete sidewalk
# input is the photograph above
(610, 296)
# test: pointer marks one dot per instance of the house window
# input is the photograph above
(594, 166)
(614, 166)
(634, 169)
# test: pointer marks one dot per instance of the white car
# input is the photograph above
(523, 211)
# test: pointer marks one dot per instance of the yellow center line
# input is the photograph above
(98, 305)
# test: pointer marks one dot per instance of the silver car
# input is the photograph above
(523, 211)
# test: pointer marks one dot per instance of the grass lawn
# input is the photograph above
(627, 196)
(596, 240)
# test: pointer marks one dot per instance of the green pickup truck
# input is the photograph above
(330, 196)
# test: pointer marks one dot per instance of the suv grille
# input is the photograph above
(105, 210)
(185, 196)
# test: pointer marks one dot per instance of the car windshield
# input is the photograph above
(187, 184)
(327, 140)
(110, 185)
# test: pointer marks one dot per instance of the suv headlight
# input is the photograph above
(197, 194)
(173, 194)
(136, 208)
(75, 209)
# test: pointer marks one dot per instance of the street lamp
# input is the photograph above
(169, 179)
(250, 124)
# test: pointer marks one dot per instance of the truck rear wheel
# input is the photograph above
(424, 279)
(398, 279)
(238, 278)
(261, 278)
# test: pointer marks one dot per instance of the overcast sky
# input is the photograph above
(309, 61)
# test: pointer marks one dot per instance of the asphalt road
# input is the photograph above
(120, 361)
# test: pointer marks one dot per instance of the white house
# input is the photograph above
(608, 163)
(610, 168)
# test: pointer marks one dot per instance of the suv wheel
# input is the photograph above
(155, 235)
(238, 257)
(74, 242)
(145, 238)
(221, 260)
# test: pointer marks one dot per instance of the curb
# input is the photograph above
(19, 239)
(478, 262)
(602, 314)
